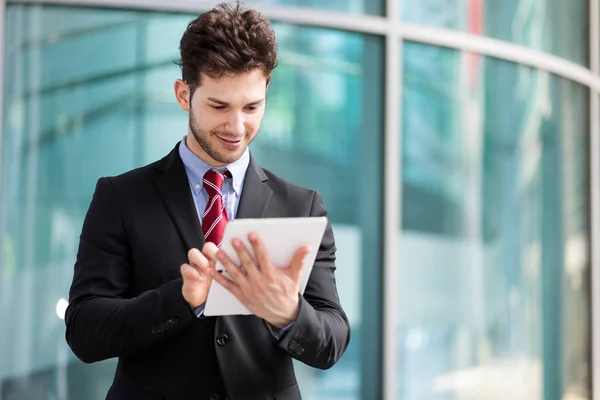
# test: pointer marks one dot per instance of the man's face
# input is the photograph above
(224, 115)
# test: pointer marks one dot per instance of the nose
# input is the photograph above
(236, 124)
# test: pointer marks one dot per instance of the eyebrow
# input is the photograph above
(224, 103)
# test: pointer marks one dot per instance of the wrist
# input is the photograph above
(194, 303)
(193, 306)
(288, 319)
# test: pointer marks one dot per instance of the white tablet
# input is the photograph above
(282, 237)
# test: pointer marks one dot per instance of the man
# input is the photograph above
(140, 280)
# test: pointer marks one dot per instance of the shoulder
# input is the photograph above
(292, 197)
(136, 175)
(283, 187)
(144, 175)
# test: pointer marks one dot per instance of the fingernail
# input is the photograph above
(235, 242)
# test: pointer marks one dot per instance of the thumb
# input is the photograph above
(295, 268)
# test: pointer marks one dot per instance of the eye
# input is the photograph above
(251, 108)
(218, 107)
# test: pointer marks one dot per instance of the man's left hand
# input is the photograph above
(269, 292)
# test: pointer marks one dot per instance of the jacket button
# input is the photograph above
(296, 347)
(222, 339)
(157, 330)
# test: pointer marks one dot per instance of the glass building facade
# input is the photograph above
(484, 288)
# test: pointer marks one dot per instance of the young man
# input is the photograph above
(150, 240)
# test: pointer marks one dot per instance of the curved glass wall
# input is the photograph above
(90, 95)
(351, 6)
(553, 26)
(494, 270)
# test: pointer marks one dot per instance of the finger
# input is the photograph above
(261, 254)
(234, 271)
(246, 259)
(227, 283)
(197, 259)
(191, 273)
(295, 268)
(210, 251)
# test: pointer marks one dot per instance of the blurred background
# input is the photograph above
(455, 143)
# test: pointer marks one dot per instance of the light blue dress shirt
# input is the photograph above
(195, 169)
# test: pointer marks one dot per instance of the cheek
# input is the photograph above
(253, 123)
(209, 121)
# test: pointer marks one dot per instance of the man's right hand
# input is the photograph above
(196, 278)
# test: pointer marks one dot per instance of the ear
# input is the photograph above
(182, 94)
(268, 81)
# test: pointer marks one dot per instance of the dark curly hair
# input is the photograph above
(227, 40)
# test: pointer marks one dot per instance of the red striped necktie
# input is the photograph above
(214, 218)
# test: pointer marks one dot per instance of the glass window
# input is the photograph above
(494, 271)
(323, 129)
(353, 6)
(553, 26)
(88, 93)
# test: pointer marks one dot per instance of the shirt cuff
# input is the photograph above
(199, 311)
(279, 335)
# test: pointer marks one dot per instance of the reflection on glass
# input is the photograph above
(494, 274)
(352, 6)
(313, 134)
(89, 93)
(554, 26)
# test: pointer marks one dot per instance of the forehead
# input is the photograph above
(242, 84)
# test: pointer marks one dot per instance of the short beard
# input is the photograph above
(201, 138)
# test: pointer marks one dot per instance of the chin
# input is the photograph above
(228, 156)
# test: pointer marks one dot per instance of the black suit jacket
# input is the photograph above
(126, 301)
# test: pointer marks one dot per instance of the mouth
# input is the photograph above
(230, 144)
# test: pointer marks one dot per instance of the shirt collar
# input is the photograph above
(196, 167)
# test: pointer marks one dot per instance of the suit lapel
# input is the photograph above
(174, 188)
(255, 193)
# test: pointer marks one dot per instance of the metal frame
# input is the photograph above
(392, 194)
(595, 198)
(2, 19)
(504, 50)
(294, 15)
(395, 33)
(388, 26)
(594, 39)
(594, 239)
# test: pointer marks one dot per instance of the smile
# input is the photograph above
(230, 144)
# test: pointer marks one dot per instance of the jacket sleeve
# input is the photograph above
(102, 319)
(321, 332)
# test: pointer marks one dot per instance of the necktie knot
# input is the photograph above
(213, 181)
